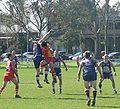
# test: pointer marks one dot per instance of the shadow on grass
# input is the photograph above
(71, 98)
(107, 97)
(78, 94)
(108, 107)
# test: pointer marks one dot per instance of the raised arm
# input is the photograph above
(47, 35)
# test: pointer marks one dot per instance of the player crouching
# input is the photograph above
(57, 60)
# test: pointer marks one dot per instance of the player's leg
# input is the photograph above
(53, 85)
(94, 92)
(87, 92)
(16, 87)
(46, 74)
(3, 86)
(37, 64)
(100, 85)
(60, 83)
(51, 66)
(113, 84)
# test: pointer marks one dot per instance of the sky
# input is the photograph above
(111, 2)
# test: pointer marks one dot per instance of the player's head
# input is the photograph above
(48, 44)
(44, 44)
(102, 53)
(87, 54)
(9, 56)
(106, 57)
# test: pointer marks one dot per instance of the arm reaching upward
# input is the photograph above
(47, 35)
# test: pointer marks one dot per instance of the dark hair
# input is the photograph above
(87, 54)
(9, 55)
(44, 44)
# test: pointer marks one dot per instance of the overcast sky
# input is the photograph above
(111, 2)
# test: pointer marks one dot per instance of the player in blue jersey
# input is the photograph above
(15, 60)
(37, 51)
(57, 66)
(88, 65)
(106, 65)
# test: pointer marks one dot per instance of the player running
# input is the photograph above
(9, 75)
(89, 75)
(57, 61)
(106, 65)
(37, 51)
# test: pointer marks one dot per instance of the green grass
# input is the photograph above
(73, 96)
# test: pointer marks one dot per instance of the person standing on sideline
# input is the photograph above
(37, 51)
(9, 75)
(89, 75)
(106, 65)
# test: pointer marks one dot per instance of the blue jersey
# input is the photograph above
(57, 62)
(57, 65)
(15, 59)
(106, 67)
(37, 51)
(89, 73)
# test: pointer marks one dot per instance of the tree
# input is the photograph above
(73, 16)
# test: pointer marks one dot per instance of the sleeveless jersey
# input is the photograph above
(57, 62)
(37, 51)
(106, 67)
(88, 66)
(9, 69)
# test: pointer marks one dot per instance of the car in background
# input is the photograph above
(3, 57)
(27, 56)
(64, 55)
(74, 55)
(77, 58)
(114, 57)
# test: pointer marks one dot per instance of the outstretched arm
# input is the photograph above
(45, 36)
(64, 64)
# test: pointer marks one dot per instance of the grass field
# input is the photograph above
(73, 96)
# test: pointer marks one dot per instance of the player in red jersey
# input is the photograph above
(46, 50)
(9, 75)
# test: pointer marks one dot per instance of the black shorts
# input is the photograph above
(90, 77)
(58, 72)
(37, 62)
(107, 75)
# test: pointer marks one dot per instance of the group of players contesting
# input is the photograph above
(44, 56)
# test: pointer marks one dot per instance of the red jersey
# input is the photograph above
(9, 69)
(47, 55)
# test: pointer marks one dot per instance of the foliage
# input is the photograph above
(72, 18)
